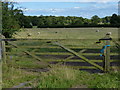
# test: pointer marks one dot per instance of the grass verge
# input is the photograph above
(12, 76)
(64, 77)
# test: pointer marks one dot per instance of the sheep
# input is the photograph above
(109, 33)
(29, 34)
(97, 30)
(38, 32)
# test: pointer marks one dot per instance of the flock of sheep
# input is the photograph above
(30, 34)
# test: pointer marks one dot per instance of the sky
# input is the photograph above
(79, 8)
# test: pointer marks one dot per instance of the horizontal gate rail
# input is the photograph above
(15, 39)
(73, 47)
(64, 53)
(77, 60)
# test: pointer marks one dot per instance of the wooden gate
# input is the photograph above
(46, 48)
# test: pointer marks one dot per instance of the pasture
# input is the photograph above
(67, 33)
(26, 54)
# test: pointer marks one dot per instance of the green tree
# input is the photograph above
(26, 22)
(10, 24)
(34, 20)
(115, 20)
(95, 20)
(41, 22)
(19, 16)
(87, 21)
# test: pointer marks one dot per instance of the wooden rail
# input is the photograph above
(64, 53)
(77, 60)
(73, 47)
(18, 39)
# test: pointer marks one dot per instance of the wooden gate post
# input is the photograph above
(0, 48)
(3, 50)
(107, 55)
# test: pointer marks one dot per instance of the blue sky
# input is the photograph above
(80, 9)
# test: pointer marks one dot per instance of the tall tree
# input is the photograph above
(10, 24)
(34, 20)
(95, 20)
(27, 23)
(115, 20)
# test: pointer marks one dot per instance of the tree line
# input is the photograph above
(13, 19)
(68, 22)
(72, 21)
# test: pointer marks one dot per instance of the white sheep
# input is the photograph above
(38, 32)
(29, 34)
(97, 30)
(109, 33)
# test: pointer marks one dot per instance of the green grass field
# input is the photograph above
(67, 33)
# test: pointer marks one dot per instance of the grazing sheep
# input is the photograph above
(109, 33)
(29, 34)
(97, 30)
(38, 32)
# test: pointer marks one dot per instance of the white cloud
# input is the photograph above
(27, 9)
(50, 10)
(76, 7)
(104, 1)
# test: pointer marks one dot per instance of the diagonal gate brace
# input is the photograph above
(76, 54)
